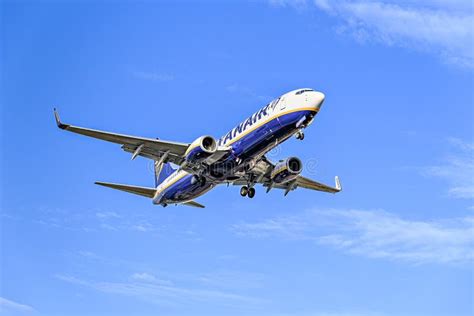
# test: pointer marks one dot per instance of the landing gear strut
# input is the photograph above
(246, 191)
(300, 135)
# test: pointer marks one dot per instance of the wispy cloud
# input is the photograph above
(245, 91)
(149, 288)
(96, 220)
(457, 169)
(149, 278)
(107, 214)
(374, 234)
(141, 281)
(444, 28)
(232, 279)
(340, 313)
(8, 305)
(143, 227)
(153, 76)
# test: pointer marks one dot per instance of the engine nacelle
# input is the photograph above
(200, 149)
(287, 170)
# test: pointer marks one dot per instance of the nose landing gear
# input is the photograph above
(246, 191)
(300, 135)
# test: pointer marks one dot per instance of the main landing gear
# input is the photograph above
(300, 135)
(246, 191)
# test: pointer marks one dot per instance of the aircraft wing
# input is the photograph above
(261, 173)
(313, 185)
(138, 146)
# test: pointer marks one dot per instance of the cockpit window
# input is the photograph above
(303, 91)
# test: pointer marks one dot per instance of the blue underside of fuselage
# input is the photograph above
(251, 145)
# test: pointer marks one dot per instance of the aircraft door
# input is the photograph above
(282, 104)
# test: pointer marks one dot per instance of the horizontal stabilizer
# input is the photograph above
(146, 192)
(194, 204)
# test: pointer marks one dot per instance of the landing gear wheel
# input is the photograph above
(244, 191)
(300, 135)
(251, 193)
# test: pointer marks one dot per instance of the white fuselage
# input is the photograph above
(258, 134)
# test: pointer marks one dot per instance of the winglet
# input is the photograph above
(58, 120)
(338, 184)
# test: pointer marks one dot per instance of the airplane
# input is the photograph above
(185, 171)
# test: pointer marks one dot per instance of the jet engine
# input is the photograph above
(200, 149)
(286, 170)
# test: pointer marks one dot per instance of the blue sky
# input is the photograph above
(396, 126)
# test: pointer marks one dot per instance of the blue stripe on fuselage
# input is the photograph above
(248, 146)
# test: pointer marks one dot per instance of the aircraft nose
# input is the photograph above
(316, 99)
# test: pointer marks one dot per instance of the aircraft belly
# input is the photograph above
(184, 190)
(251, 144)
(255, 144)
(261, 140)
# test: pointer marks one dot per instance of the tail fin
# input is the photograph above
(162, 171)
